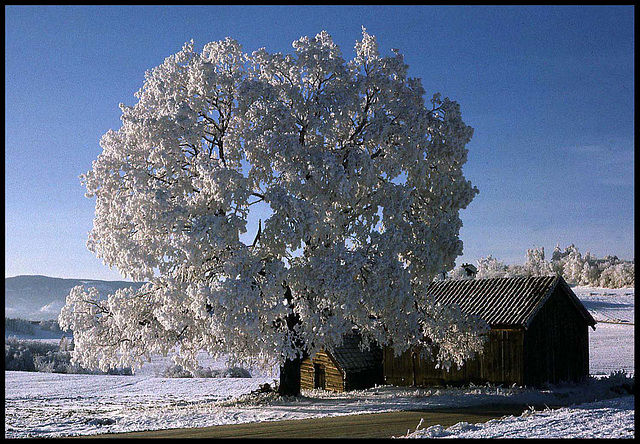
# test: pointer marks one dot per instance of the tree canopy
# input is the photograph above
(362, 180)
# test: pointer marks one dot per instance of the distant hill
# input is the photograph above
(40, 298)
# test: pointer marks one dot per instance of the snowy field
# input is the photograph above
(50, 405)
(608, 305)
(613, 418)
(611, 344)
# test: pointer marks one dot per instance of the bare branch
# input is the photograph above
(257, 238)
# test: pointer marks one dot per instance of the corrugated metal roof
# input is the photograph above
(503, 301)
(350, 358)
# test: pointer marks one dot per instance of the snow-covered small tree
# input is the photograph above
(535, 264)
(490, 267)
(590, 271)
(457, 273)
(618, 275)
(607, 278)
(625, 273)
(516, 270)
(464, 271)
(362, 184)
(570, 264)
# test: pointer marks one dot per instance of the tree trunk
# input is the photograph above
(290, 378)
(290, 369)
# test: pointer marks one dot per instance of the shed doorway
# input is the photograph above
(318, 376)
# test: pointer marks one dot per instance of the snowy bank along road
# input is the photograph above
(604, 419)
(55, 405)
(372, 425)
(67, 405)
(613, 418)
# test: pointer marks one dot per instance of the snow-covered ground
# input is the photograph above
(611, 349)
(613, 418)
(50, 405)
(612, 343)
(608, 305)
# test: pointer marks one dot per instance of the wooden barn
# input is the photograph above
(539, 333)
(344, 368)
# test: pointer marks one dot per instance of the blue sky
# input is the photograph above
(548, 89)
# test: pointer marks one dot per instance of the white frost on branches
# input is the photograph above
(362, 179)
(609, 272)
(490, 267)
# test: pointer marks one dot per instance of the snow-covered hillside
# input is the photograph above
(42, 297)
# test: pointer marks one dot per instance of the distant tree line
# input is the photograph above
(24, 326)
(575, 268)
(39, 356)
(32, 355)
(18, 325)
(177, 371)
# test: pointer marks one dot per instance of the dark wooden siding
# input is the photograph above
(502, 359)
(398, 370)
(334, 379)
(556, 343)
(501, 363)
(358, 380)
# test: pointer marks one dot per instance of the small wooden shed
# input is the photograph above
(539, 334)
(347, 367)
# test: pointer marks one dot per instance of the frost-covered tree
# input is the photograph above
(625, 275)
(490, 267)
(590, 271)
(556, 260)
(457, 273)
(615, 273)
(572, 264)
(535, 264)
(464, 271)
(608, 272)
(362, 184)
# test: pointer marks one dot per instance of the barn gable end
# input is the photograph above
(324, 366)
(347, 367)
(558, 324)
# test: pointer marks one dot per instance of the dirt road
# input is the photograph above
(377, 425)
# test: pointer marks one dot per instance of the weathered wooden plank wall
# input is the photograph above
(334, 379)
(556, 344)
(501, 363)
